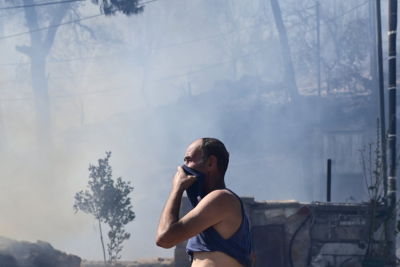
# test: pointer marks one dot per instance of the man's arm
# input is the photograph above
(211, 210)
(169, 216)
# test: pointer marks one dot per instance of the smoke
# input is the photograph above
(145, 87)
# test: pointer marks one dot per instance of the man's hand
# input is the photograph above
(182, 180)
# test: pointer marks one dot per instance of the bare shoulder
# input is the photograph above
(222, 198)
(221, 195)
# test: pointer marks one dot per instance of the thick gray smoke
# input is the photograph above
(146, 86)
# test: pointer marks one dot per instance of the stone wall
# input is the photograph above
(326, 234)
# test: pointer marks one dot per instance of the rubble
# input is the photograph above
(40, 254)
(155, 262)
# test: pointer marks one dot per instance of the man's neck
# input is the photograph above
(214, 184)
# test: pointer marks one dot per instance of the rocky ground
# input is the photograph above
(157, 262)
(40, 254)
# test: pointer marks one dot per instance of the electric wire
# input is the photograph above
(64, 23)
(160, 47)
(59, 60)
(116, 89)
(151, 82)
(200, 39)
(51, 26)
(54, 3)
(339, 16)
(178, 75)
(42, 4)
(226, 33)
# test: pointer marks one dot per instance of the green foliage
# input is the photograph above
(127, 7)
(109, 203)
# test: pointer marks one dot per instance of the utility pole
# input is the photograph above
(381, 96)
(374, 55)
(318, 63)
(391, 229)
(329, 181)
(286, 55)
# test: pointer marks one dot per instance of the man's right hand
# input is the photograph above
(182, 180)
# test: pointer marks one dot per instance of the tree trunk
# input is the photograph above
(41, 97)
(290, 78)
(102, 243)
(38, 51)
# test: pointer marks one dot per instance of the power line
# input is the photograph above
(203, 69)
(339, 16)
(117, 89)
(43, 4)
(62, 60)
(206, 38)
(51, 78)
(59, 2)
(179, 75)
(72, 59)
(139, 84)
(160, 47)
(51, 26)
(254, 25)
(64, 23)
(226, 33)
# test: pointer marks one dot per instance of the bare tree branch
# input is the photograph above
(27, 50)
(57, 19)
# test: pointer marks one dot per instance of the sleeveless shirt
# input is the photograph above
(237, 246)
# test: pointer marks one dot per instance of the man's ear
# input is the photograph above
(212, 163)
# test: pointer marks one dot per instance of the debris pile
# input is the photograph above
(25, 254)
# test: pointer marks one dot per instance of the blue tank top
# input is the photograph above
(237, 246)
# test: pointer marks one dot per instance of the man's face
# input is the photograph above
(193, 157)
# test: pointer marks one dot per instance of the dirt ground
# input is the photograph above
(155, 262)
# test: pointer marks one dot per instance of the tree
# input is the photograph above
(285, 50)
(230, 18)
(345, 45)
(127, 7)
(109, 203)
(41, 42)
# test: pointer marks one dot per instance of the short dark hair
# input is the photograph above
(214, 147)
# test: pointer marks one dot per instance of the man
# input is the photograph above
(217, 227)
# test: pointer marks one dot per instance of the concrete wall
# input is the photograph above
(343, 147)
(330, 235)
